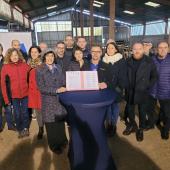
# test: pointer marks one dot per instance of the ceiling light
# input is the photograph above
(129, 12)
(152, 4)
(97, 2)
(51, 7)
(97, 5)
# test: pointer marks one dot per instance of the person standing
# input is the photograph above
(17, 71)
(142, 76)
(34, 96)
(16, 44)
(115, 60)
(8, 110)
(82, 43)
(161, 90)
(78, 62)
(61, 58)
(50, 82)
(69, 42)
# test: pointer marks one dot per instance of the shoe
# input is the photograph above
(26, 132)
(58, 151)
(129, 130)
(164, 134)
(139, 135)
(12, 128)
(40, 133)
(20, 134)
(1, 130)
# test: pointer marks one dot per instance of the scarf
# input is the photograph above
(112, 59)
(34, 62)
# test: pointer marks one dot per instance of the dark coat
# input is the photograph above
(103, 71)
(161, 89)
(48, 83)
(63, 62)
(146, 76)
(75, 66)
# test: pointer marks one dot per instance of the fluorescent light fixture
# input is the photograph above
(152, 4)
(51, 7)
(97, 2)
(129, 12)
(16, 7)
(77, 2)
(52, 13)
(97, 5)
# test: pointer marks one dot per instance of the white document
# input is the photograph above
(81, 80)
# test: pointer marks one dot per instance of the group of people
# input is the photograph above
(30, 85)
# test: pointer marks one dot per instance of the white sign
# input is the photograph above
(81, 80)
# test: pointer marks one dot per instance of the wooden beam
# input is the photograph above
(112, 20)
(91, 23)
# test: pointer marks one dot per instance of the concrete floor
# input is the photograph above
(30, 154)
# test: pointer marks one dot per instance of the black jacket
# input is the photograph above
(63, 62)
(103, 71)
(145, 78)
(75, 66)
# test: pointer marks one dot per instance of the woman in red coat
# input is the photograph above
(34, 96)
(16, 71)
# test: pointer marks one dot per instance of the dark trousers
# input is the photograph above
(8, 117)
(21, 114)
(142, 108)
(56, 135)
(151, 114)
(165, 111)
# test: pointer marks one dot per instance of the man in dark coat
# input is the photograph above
(69, 42)
(61, 58)
(96, 64)
(82, 43)
(142, 75)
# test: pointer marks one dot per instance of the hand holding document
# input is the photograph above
(81, 80)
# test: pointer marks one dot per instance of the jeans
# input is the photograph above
(21, 114)
(8, 117)
(113, 113)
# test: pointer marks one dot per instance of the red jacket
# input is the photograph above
(18, 77)
(34, 96)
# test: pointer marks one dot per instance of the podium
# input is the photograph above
(88, 147)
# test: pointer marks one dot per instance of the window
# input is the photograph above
(137, 30)
(53, 26)
(155, 28)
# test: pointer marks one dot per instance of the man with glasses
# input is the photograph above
(61, 58)
(96, 64)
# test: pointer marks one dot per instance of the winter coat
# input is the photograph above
(48, 82)
(18, 78)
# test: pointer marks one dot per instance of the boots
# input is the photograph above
(40, 133)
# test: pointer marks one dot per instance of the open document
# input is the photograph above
(81, 80)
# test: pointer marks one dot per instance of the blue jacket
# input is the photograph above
(161, 90)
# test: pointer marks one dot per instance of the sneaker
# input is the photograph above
(20, 134)
(139, 135)
(129, 129)
(26, 132)
(164, 134)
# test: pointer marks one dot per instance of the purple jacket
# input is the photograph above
(161, 89)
